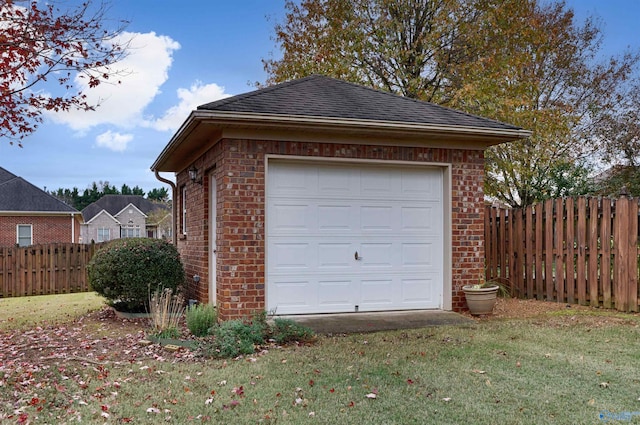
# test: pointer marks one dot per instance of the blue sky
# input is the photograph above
(186, 54)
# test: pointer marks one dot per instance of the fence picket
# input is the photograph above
(594, 255)
(548, 249)
(581, 245)
(538, 278)
(559, 251)
(632, 258)
(529, 242)
(570, 266)
(605, 246)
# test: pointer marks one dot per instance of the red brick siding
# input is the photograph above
(239, 167)
(46, 229)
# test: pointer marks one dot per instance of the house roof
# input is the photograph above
(114, 204)
(18, 195)
(320, 96)
(319, 104)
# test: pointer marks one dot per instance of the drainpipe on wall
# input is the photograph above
(73, 228)
(174, 200)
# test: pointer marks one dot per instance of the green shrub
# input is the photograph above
(235, 337)
(127, 271)
(287, 330)
(201, 318)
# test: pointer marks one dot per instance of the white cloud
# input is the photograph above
(114, 141)
(198, 94)
(145, 69)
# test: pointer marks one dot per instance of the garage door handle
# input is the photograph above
(356, 256)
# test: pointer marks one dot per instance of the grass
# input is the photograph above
(21, 312)
(551, 369)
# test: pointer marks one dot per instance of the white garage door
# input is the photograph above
(350, 237)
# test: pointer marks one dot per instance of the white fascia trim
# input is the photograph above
(130, 205)
(100, 213)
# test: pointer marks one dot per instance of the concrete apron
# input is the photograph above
(329, 324)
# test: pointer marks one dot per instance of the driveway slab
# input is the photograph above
(379, 321)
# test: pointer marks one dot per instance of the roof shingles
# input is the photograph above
(321, 96)
(18, 195)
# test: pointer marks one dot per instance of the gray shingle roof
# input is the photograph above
(18, 195)
(321, 96)
(113, 204)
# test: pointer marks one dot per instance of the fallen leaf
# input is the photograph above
(478, 371)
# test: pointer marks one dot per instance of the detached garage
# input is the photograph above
(321, 196)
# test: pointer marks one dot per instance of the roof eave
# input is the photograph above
(34, 213)
(202, 125)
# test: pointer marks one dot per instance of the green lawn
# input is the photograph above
(19, 312)
(562, 368)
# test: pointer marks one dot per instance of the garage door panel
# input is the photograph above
(335, 217)
(292, 180)
(421, 219)
(376, 218)
(423, 255)
(421, 291)
(336, 182)
(413, 184)
(377, 184)
(393, 218)
(333, 256)
(291, 256)
(286, 216)
(336, 293)
(376, 255)
(378, 292)
(293, 294)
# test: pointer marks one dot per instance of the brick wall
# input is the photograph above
(239, 167)
(46, 229)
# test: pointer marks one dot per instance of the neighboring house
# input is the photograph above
(30, 216)
(321, 196)
(125, 216)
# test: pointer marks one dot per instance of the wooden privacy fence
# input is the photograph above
(580, 251)
(44, 269)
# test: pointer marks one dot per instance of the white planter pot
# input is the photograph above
(480, 300)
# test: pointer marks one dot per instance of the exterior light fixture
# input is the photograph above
(193, 175)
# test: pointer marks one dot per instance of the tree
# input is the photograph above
(619, 132)
(98, 189)
(539, 71)
(39, 42)
(158, 194)
(403, 46)
(525, 62)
